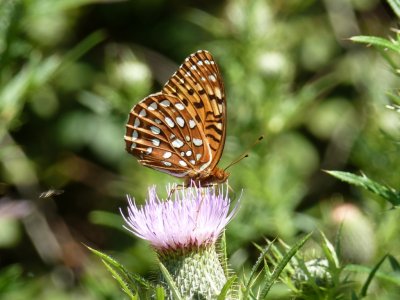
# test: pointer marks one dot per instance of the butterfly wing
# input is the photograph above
(199, 86)
(163, 135)
(181, 130)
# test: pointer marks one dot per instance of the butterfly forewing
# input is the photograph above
(163, 135)
(181, 130)
(198, 81)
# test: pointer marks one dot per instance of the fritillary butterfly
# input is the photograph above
(181, 130)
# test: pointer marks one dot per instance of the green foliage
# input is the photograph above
(170, 282)
(377, 41)
(9, 279)
(323, 278)
(227, 288)
(254, 274)
(393, 278)
(395, 5)
(386, 192)
(132, 284)
(70, 71)
(272, 277)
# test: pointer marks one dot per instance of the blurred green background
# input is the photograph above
(70, 71)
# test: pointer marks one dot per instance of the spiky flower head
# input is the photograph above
(189, 218)
(183, 229)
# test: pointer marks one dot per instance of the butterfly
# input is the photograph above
(181, 129)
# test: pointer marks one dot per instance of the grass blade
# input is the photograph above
(371, 275)
(394, 263)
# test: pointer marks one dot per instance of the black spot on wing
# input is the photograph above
(215, 128)
(199, 104)
(212, 137)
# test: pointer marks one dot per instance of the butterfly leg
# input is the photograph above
(174, 189)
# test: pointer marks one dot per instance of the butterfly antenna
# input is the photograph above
(245, 154)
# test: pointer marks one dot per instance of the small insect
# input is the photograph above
(50, 193)
(181, 130)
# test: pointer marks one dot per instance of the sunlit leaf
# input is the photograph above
(376, 41)
(384, 191)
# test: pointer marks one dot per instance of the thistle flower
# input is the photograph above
(183, 231)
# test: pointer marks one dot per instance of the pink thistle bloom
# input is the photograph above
(191, 218)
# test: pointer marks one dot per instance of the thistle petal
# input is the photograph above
(191, 217)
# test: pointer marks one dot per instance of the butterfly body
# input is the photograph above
(181, 129)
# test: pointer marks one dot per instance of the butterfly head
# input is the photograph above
(220, 175)
(216, 176)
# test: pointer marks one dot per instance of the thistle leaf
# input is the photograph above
(170, 281)
(329, 251)
(223, 254)
(376, 41)
(225, 290)
(386, 192)
(132, 279)
(122, 282)
(279, 268)
(255, 268)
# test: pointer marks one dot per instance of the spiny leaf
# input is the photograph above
(329, 251)
(122, 282)
(170, 281)
(226, 288)
(279, 268)
(376, 41)
(133, 278)
(385, 192)
(255, 268)
(223, 254)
